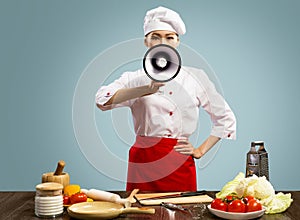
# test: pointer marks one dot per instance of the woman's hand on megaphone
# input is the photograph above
(154, 86)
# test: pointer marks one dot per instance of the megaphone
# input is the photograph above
(162, 63)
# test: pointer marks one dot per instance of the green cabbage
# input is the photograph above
(230, 187)
(260, 188)
(279, 203)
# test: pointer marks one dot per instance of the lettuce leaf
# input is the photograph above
(263, 188)
(279, 203)
(230, 187)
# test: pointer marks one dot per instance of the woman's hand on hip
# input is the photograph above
(185, 147)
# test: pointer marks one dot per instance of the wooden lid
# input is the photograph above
(49, 186)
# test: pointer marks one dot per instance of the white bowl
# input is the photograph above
(236, 215)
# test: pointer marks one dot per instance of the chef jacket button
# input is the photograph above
(169, 135)
(108, 93)
(170, 113)
(228, 135)
(170, 93)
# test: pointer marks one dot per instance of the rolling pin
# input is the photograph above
(100, 195)
(58, 176)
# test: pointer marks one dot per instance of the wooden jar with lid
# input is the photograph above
(49, 200)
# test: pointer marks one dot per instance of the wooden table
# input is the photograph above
(20, 206)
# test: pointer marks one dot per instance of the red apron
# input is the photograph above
(155, 166)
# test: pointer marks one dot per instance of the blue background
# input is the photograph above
(253, 47)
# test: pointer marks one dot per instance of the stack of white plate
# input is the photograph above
(49, 206)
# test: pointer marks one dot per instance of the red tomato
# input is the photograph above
(253, 205)
(219, 204)
(230, 198)
(78, 197)
(66, 200)
(247, 199)
(236, 206)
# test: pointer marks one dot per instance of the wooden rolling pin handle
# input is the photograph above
(59, 168)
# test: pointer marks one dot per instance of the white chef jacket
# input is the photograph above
(174, 111)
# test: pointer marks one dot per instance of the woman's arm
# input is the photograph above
(125, 94)
(205, 146)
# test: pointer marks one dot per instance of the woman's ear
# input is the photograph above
(146, 42)
(178, 42)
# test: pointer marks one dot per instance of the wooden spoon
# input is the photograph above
(131, 198)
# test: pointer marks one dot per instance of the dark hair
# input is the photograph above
(152, 31)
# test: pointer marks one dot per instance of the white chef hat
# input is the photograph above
(162, 18)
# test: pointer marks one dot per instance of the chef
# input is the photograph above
(165, 115)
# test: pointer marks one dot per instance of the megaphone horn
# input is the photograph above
(162, 63)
